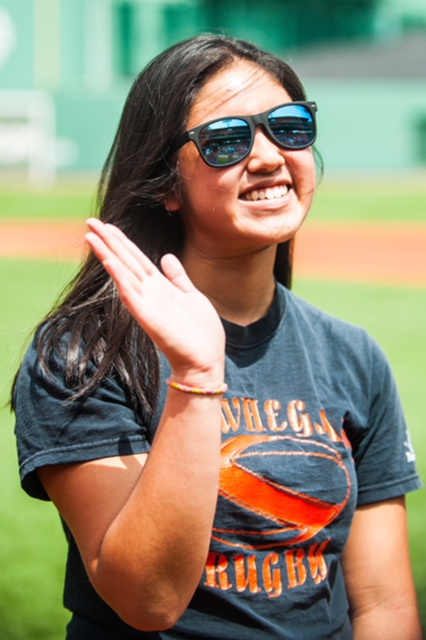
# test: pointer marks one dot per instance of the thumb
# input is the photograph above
(174, 271)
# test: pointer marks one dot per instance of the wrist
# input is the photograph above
(196, 390)
(209, 378)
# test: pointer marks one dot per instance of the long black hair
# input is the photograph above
(138, 174)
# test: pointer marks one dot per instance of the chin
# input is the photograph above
(287, 228)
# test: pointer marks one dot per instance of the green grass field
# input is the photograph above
(382, 199)
(32, 546)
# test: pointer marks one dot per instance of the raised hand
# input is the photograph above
(178, 318)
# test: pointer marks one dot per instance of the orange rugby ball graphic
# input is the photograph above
(277, 487)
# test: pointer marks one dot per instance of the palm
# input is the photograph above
(179, 319)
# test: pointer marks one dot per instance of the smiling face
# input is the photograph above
(256, 203)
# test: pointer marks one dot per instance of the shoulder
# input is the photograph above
(47, 377)
(44, 365)
(314, 320)
(345, 347)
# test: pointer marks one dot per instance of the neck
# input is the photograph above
(240, 288)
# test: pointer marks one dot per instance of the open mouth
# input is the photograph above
(269, 193)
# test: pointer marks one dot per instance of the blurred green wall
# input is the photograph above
(81, 55)
(370, 124)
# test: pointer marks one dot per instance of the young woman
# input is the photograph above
(228, 461)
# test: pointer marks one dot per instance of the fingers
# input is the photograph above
(116, 251)
(108, 241)
(125, 280)
(174, 271)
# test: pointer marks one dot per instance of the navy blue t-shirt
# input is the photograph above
(312, 427)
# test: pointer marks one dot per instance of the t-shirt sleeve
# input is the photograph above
(50, 429)
(384, 456)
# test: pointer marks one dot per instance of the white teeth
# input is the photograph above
(266, 194)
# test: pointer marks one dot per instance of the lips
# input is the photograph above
(267, 193)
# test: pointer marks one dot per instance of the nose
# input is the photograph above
(265, 155)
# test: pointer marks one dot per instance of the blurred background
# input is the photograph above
(66, 66)
(65, 69)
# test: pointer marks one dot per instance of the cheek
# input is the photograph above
(227, 183)
(304, 173)
(203, 187)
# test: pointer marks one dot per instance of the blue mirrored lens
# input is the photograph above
(292, 126)
(224, 142)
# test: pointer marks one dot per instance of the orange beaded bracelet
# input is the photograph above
(197, 390)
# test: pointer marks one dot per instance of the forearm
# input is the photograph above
(154, 551)
(151, 553)
(378, 575)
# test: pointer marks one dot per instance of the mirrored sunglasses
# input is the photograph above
(227, 141)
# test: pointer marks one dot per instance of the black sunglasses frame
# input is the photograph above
(253, 122)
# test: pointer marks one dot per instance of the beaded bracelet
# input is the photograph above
(197, 390)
